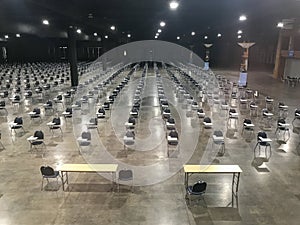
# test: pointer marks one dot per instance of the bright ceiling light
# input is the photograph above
(178, 38)
(242, 18)
(95, 34)
(129, 35)
(193, 33)
(157, 34)
(162, 24)
(45, 22)
(78, 31)
(219, 35)
(18, 35)
(239, 36)
(173, 5)
(105, 36)
(6, 36)
(239, 32)
(159, 30)
(205, 37)
(280, 24)
(112, 27)
(155, 37)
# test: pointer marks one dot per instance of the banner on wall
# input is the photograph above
(243, 79)
(4, 53)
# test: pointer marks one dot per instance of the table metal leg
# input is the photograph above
(186, 180)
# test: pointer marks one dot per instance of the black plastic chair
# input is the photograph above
(260, 143)
(198, 189)
(125, 176)
(18, 124)
(39, 141)
(48, 173)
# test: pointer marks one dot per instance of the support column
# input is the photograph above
(278, 56)
(73, 56)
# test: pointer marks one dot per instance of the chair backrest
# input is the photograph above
(131, 120)
(39, 134)
(171, 120)
(247, 121)
(49, 103)
(130, 133)
(47, 171)
(261, 134)
(69, 110)
(297, 111)
(125, 174)
(207, 120)
(37, 110)
(218, 133)
(173, 134)
(56, 121)
(199, 187)
(200, 110)
(86, 135)
(282, 121)
(101, 110)
(167, 110)
(59, 97)
(94, 121)
(232, 111)
(18, 120)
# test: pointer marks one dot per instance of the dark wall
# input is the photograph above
(223, 54)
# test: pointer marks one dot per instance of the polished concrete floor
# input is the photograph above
(269, 188)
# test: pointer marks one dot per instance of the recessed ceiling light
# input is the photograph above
(173, 5)
(178, 38)
(162, 24)
(205, 37)
(193, 33)
(78, 31)
(95, 34)
(45, 22)
(112, 27)
(6, 36)
(219, 35)
(242, 18)
(280, 24)
(155, 37)
(129, 35)
(239, 32)
(157, 34)
(105, 36)
(239, 36)
(159, 30)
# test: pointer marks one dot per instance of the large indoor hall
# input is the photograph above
(150, 112)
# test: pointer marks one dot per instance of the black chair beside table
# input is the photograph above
(198, 189)
(49, 173)
(125, 176)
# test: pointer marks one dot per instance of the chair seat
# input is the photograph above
(190, 191)
(56, 173)
(37, 142)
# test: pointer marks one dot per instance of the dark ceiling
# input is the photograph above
(141, 18)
